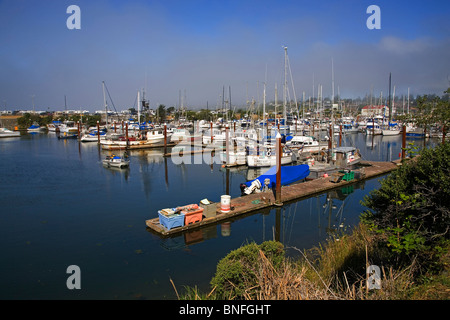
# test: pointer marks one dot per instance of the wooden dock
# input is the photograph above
(258, 201)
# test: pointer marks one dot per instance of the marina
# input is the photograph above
(79, 211)
(147, 140)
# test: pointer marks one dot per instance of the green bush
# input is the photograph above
(237, 271)
(411, 209)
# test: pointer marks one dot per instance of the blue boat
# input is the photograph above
(289, 174)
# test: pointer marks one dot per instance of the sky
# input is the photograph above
(193, 51)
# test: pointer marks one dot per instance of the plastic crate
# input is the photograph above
(192, 216)
(171, 221)
(348, 175)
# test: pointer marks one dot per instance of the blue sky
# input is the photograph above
(200, 47)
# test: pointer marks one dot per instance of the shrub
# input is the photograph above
(411, 209)
(238, 271)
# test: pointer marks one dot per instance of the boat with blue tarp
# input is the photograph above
(289, 174)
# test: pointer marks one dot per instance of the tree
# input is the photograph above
(161, 113)
(411, 209)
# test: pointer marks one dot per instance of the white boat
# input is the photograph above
(154, 137)
(218, 137)
(237, 155)
(305, 144)
(267, 157)
(92, 136)
(6, 133)
(180, 134)
(345, 157)
(373, 128)
(54, 126)
(35, 127)
(116, 161)
(391, 132)
(68, 127)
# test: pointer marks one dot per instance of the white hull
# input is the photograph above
(255, 161)
(235, 158)
(120, 163)
(391, 132)
(5, 133)
(91, 138)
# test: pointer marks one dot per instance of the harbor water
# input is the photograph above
(60, 207)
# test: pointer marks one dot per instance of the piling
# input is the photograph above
(227, 145)
(98, 132)
(165, 138)
(278, 177)
(403, 142)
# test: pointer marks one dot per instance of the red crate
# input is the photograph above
(192, 216)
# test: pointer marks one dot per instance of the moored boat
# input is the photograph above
(288, 175)
(6, 133)
(116, 161)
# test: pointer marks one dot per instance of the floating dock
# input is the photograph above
(258, 201)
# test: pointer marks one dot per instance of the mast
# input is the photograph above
(264, 107)
(105, 104)
(390, 107)
(285, 88)
(332, 83)
(139, 110)
(276, 103)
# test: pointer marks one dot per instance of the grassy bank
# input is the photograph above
(334, 271)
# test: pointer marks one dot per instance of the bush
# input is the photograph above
(411, 209)
(237, 272)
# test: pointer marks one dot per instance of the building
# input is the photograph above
(368, 111)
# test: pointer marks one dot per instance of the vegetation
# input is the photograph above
(404, 231)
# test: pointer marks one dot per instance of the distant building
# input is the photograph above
(369, 111)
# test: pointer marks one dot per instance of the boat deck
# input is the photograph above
(257, 201)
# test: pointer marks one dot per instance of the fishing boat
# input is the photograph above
(6, 133)
(343, 158)
(266, 181)
(68, 127)
(116, 161)
(346, 157)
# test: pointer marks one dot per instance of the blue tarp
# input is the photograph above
(289, 174)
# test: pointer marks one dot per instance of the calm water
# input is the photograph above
(61, 207)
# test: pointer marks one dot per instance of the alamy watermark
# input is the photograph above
(374, 21)
(74, 280)
(373, 277)
(74, 21)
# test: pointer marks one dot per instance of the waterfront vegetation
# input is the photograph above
(404, 231)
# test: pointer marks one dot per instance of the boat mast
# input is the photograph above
(105, 104)
(276, 103)
(390, 107)
(285, 88)
(264, 109)
(139, 110)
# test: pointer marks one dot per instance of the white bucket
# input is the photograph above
(225, 203)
